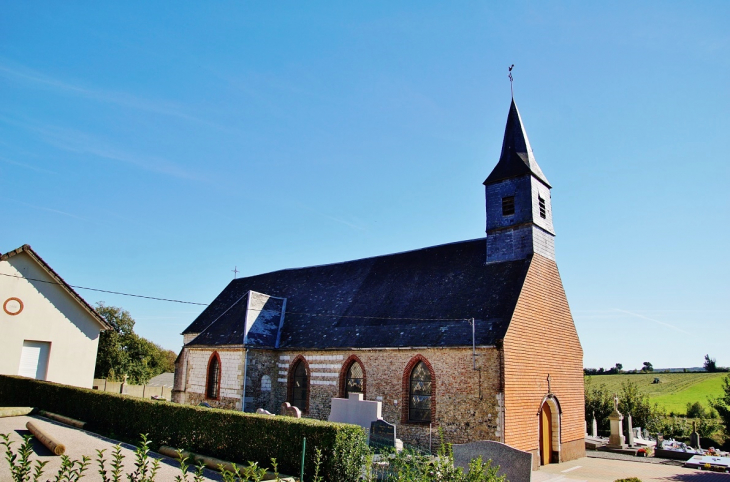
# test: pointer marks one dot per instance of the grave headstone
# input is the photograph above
(355, 410)
(694, 437)
(289, 410)
(262, 411)
(382, 434)
(595, 427)
(631, 432)
(515, 464)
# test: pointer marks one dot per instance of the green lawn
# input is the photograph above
(674, 391)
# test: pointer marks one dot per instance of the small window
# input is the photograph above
(265, 383)
(541, 202)
(214, 377)
(419, 405)
(355, 378)
(508, 206)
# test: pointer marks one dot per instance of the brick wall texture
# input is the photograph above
(542, 341)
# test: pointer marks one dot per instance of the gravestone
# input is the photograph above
(631, 432)
(616, 440)
(694, 437)
(262, 411)
(382, 434)
(355, 410)
(515, 464)
(289, 410)
(595, 427)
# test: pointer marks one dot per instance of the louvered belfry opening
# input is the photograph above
(355, 379)
(214, 376)
(300, 386)
(419, 408)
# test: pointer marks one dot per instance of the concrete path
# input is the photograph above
(79, 443)
(606, 470)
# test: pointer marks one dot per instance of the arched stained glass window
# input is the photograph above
(300, 385)
(355, 382)
(214, 377)
(419, 403)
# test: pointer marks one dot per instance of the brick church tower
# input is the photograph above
(519, 214)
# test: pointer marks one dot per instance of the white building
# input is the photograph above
(48, 331)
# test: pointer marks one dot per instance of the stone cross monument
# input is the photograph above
(617, 439)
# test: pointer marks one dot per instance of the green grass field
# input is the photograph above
(674, 391)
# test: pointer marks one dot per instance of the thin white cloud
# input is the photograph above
(83, 143)
(333, 218)
(26, 166)
(638, 315)
(32, 78)
(50, 210)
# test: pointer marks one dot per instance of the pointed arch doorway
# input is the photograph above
(549, 430)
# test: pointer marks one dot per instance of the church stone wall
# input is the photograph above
(467, 402)
(231, 377)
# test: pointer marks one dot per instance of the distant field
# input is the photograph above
(674, 391)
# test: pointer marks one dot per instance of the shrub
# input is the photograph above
(722, 404)
(225, 434)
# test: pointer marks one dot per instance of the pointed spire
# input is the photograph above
(517, 158)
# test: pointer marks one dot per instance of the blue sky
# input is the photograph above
(150, 148)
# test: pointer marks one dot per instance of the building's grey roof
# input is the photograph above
(516, 158)
(416, 298)
(166, 379)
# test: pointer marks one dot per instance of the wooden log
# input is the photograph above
(216, 464)
(14, 411)
(60, 418)
(52, 444)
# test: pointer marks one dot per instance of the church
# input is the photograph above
(473, 338)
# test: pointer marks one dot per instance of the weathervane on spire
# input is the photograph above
(511, 79)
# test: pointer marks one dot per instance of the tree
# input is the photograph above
(710, 364)
(599, 400)
(648, 367)
(722, 404)
(619, 367)
(123, 352)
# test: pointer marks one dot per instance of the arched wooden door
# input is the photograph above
(546, 434)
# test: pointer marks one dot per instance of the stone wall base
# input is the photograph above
(223, 402)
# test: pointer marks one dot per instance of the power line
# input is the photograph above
(250, 309)
(107, 291)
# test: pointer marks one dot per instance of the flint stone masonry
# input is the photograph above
(515, 464)
(355, 410)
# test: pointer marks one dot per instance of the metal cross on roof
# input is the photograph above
(235, 272)
(511, 79)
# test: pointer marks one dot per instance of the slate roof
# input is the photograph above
(416, 298)
(516, 158)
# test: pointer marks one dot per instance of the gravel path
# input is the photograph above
(79, 443)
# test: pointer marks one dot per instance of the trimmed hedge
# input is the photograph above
(225, 434)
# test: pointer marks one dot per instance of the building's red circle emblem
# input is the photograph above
(13, 306)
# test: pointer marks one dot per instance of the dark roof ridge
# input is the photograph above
(60, 281)
(377, 256)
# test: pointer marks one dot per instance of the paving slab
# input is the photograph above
(78, 443)
(608, 470)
